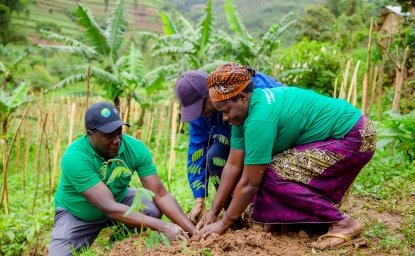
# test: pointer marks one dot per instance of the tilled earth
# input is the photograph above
(251, 239)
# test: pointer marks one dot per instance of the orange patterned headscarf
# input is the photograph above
(228, 80)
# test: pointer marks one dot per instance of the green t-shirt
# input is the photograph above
(281, 118)
(83, 168)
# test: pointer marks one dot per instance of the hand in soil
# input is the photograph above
(197, 212)
(214, 228)
(206, 219)
(174, 232)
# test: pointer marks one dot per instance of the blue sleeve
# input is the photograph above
(196, 156)
(263, 81)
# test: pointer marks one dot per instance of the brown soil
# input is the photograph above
(284, 240)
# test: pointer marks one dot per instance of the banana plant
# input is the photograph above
(241, 46)
(187, 46)
(138, 83)
(9, 102)
(398, 131)
(101, 49)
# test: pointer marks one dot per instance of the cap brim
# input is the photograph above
(111, 127)
(192, 112)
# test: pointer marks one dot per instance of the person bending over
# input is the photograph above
(294, 154)
(209, 135)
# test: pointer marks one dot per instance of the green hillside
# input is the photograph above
(256, 15)
(58, 15)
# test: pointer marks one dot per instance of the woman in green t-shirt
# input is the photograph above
(294, 154)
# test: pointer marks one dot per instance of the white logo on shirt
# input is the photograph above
(269, 96)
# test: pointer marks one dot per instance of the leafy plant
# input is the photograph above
(242, 47)
(310, 64)
(190, 47)
(398, 131)
(155, 239)
(103, 49)
(10, 102)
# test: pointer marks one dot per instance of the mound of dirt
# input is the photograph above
(294, 239)
(251, 240)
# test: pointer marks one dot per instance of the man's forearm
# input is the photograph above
(134, 219)
(169, 206)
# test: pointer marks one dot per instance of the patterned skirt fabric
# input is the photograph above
(306, 184)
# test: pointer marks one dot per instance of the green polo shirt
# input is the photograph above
(284, 117)
(83, 168)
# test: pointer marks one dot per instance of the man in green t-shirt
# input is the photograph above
(94, 192)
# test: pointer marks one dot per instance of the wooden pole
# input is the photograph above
(6, 158)
(175, 114)
(28, 141)
(366, 77)
(342, 94)
(56, 154)
(353, 83)
(335, 88)
(399, 80)
(159, 133)
(38, 151)
(88, 92)
(71, 122)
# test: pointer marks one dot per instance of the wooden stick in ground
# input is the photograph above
(353, 84)
(364, 93)
(47, 158)
(88, 92)
(56, 154)
(159, 133)
(150, 125)
(17, 151)
(6, 158)
(399, 80)
(366, 77)
(373, 86)
(379, 85)
(342, 93)
(175, 114)
(335, 88)
(38, 150)
(71, 122)
(28, 143)
(4, 189)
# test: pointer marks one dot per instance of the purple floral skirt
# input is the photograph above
(306, 184)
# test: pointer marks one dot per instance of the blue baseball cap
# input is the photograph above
(104, 117)
(192, 90)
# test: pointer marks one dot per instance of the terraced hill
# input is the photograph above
(59, 15)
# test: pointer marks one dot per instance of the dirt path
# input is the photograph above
(285, 240)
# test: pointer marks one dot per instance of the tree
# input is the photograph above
(406, 4)
(241, 46)
(101, 50)
(7, 7)
(189, 47)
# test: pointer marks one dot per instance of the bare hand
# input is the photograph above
(198, 210)
(214, 228)
(174, 232)
(207, 218)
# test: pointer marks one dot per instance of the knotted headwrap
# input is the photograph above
(228, 80)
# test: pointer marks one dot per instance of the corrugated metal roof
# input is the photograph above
(397, 10)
